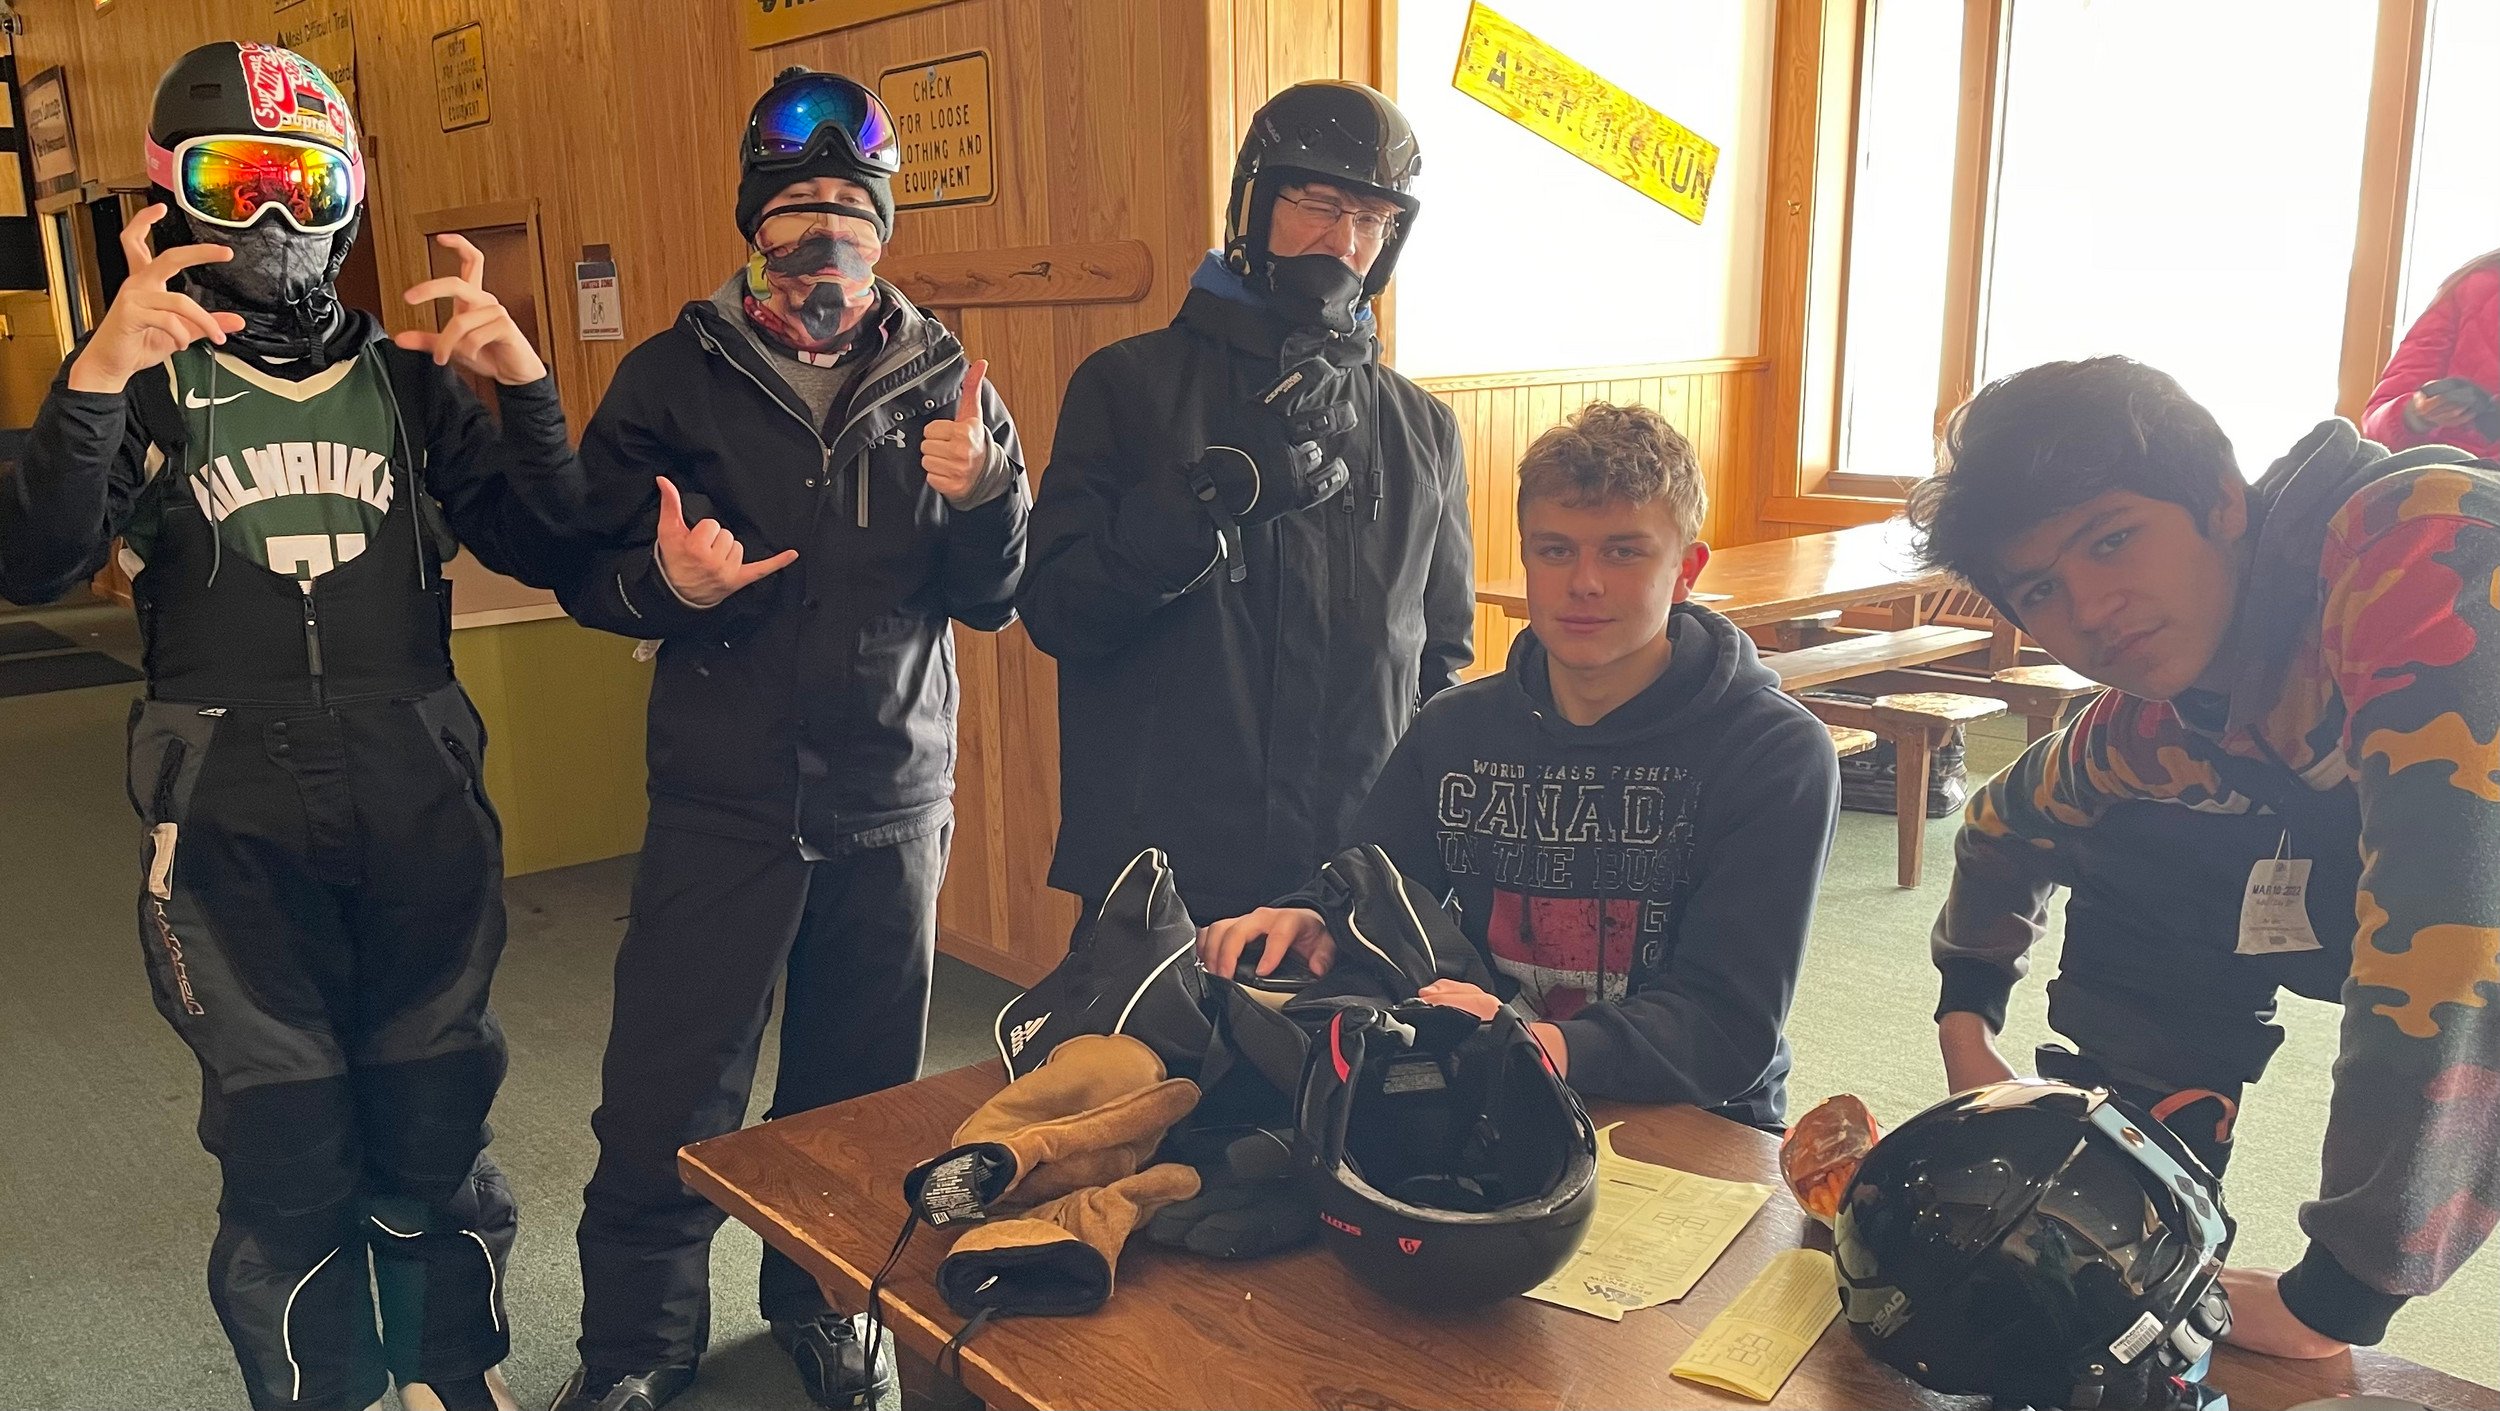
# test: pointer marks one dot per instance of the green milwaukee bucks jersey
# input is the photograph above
(295, 476)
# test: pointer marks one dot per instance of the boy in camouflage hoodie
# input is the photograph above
(2324, 644)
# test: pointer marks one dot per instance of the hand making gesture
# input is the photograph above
(481, 336)
(955, 453)
(148, 322)
(704, 564)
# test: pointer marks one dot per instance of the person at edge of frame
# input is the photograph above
(2312, 644)
(321, 905)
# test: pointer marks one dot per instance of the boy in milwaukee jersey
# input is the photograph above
(320, 909)
(1632, 817)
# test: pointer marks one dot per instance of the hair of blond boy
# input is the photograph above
(1609, 454)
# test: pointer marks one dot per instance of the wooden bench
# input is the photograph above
(1847, 657)
(1795, 633)
(2039, 694)
(1917, 723)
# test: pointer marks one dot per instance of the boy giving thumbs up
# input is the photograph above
(822, 482)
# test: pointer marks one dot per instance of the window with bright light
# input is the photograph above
(1909, 105)
(2177, 183)
(1524, 256)
(2455, 213)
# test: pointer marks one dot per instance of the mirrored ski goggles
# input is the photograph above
(231, 181)
(800, 115)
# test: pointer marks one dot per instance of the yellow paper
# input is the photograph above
(1656, 1231)
(1752, 1346)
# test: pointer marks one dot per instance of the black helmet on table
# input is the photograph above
(2043, 1244)
(1341, 133)
(1451, 1167)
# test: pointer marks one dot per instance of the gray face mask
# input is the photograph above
(275, 266)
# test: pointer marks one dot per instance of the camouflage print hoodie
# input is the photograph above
(2369, 640)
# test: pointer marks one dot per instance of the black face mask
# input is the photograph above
(1314, 291)
(281, 283)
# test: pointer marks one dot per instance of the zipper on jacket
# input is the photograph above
(1346, 498)
(312, 649)
(763, 387)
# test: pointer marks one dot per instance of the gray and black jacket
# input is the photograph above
(816, 705)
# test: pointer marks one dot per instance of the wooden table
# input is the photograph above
(1780, 579)
(825, 1187)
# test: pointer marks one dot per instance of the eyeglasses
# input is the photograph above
(1368, 225)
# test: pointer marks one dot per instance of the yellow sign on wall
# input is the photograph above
(771, 22)
(1554, 96)
(323, 31)
(460, 77)
(942, 115)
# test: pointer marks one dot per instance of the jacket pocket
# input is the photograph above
(459, 736)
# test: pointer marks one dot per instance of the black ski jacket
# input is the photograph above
(818, 704)
(1236, 725)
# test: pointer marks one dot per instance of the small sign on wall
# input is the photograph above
(323, 31)
(460, 77)
(941, 114)
(598, 312)
(50, 143)
(771, 22)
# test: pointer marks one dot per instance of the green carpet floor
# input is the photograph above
(109, 1198)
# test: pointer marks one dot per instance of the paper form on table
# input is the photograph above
(1656, 1231)
(1752, 1346)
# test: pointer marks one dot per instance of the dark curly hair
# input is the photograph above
(1608, 453)
(2040, 442)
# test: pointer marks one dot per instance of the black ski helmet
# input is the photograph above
(2043, 1244)
(1326, 130)
(1451, 1167)
(230, 89)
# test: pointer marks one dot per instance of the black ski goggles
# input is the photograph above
(800, 116)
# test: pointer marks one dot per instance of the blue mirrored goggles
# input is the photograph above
(798, 116)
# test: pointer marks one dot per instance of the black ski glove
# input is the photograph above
(1282, 457)
(1248, 1206)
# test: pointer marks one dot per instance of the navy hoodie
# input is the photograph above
(1645, 882)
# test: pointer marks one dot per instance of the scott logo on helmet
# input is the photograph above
(1354, 1230)
(1408, 1244)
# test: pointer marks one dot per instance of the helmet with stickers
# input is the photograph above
(2044, 1244)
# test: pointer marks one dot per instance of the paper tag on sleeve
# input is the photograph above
(2274, 911)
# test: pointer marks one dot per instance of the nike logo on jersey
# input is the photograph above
(284, 468)
(192, 399)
